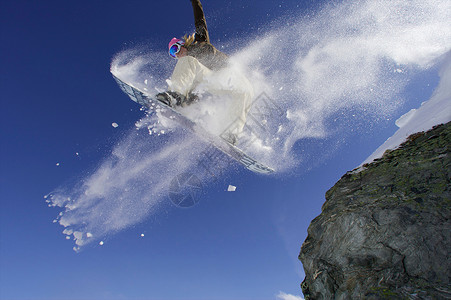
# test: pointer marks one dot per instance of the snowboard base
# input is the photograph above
(232, 151)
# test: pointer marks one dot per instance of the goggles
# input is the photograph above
(175, 49)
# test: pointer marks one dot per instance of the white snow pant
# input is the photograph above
(229, 84)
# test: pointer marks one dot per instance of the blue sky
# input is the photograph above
(59, 102)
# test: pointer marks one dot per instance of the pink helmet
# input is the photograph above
(176, 40)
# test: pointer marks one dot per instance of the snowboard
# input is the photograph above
(150, 103)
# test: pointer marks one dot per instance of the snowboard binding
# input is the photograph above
(174, 99)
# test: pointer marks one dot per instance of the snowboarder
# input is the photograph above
(199, 63)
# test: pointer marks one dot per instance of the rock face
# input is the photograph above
(384, 231)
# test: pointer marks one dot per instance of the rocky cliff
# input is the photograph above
(384, 231)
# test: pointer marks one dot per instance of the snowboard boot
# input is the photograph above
(171, 99)
(174, 99)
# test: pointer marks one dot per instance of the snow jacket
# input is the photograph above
(201, 48)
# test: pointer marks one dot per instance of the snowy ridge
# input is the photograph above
(435, 111)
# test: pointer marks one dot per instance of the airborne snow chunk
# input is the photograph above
(231, 188)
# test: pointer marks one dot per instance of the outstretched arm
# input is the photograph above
(200, 22)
